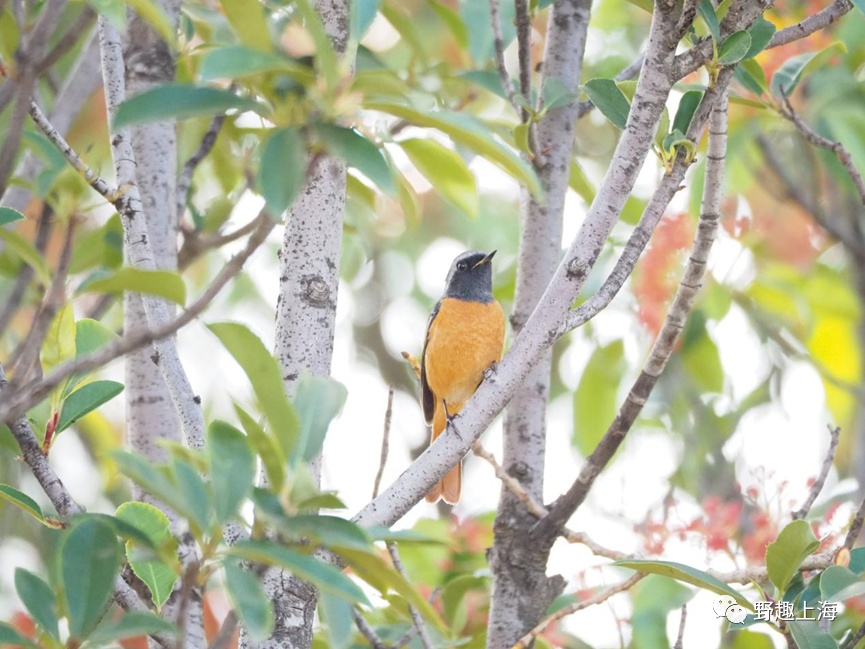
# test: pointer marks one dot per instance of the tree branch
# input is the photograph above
(691, 282)
(189, 167)
(811, 24)
(817, 487)
(499, 51)
(19, 401)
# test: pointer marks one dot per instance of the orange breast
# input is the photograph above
(464, 339)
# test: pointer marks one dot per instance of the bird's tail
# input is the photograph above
(449, 487)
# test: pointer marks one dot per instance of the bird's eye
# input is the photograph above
(462, 265)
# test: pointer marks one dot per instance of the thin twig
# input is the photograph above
(17, 402)
(367, 631)
(225, 633)
(811, 24)
(818, 140)
(510, 482)
(423, 634)
(195, 244)
(817, 487)
(681, 635)
(854, 640)
(600, 598)
(855, 526)
(384, 442)
(206, 146)
(70, 37)
(499, 50)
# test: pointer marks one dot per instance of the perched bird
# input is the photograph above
(464, 337)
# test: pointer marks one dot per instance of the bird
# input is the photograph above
(464, 338)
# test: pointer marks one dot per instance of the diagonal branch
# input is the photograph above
(691, 282)
(817, 487)
(811, 24)
(499, 51)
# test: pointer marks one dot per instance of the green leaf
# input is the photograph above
(249, 601)
(87, 399)
(595, 400)
(147, 476)
(192, 493)
(688, 105)
(248, 21)
(788, 76)
(838, 584)
(326, 60)
(163, 283)
(674, 139)
(8, 215)
(465, 130)
(860, 5)
(238, 61)
(808, 635)
(9, 636)
(453, 22)
(59, 345)
(181, 101)
(454, 593)
(379, 533)
(133, 623)
(317, 401)
(337, 615)
(40, 600)
(232, 468)
(90, 335)
(580, 183)
(685, 574)
(358, 152)
(446, 171)
(761, 33)
(266, 378)
(750, 74)
(153, 14)
(89, 558)
(610, 100)
(25, 502)
(330, 531)
(784, 555)
(26, 252)
(556, 94)
(159, 575)
(282, 173)
(707, 13)
(267, 447)
(324, 576)
(734, 48)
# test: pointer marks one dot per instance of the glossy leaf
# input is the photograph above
(784, 555)
(239, 61)
(25, 502)
(707, 13)
(248, 21)
(268, 449)
(159, 575)
(330, 531)
(734, 48)
(317, 401)
(263, 372)
(358, 152)
(761, 33)
(324, 576)
(192, 493)
(788, 76)
(26, 252)
(688, 105)
(610, 100)
(254, 609)
(130, 625)
(232, 468)
(838, 584)
(8, 215)
(282, 174)
(685, 574)
(580, 183)
(808, 635)
(86, 399)
(89, 558)
(180, 101)
(465, 130)
(39, 599)
(162, 283)
(337, 615)
(446, 171)
(59, 345)
(90, 335)
(595, 399)
(750, 74)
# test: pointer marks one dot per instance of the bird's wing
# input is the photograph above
(427, 396)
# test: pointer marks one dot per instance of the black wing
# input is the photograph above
(427, 396)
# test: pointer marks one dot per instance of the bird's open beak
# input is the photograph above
(486, 259)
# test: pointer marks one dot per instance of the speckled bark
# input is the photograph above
(521, 589)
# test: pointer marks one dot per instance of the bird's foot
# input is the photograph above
(451, 420)
(491, 371)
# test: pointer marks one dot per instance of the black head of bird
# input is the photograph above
(471, 277)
